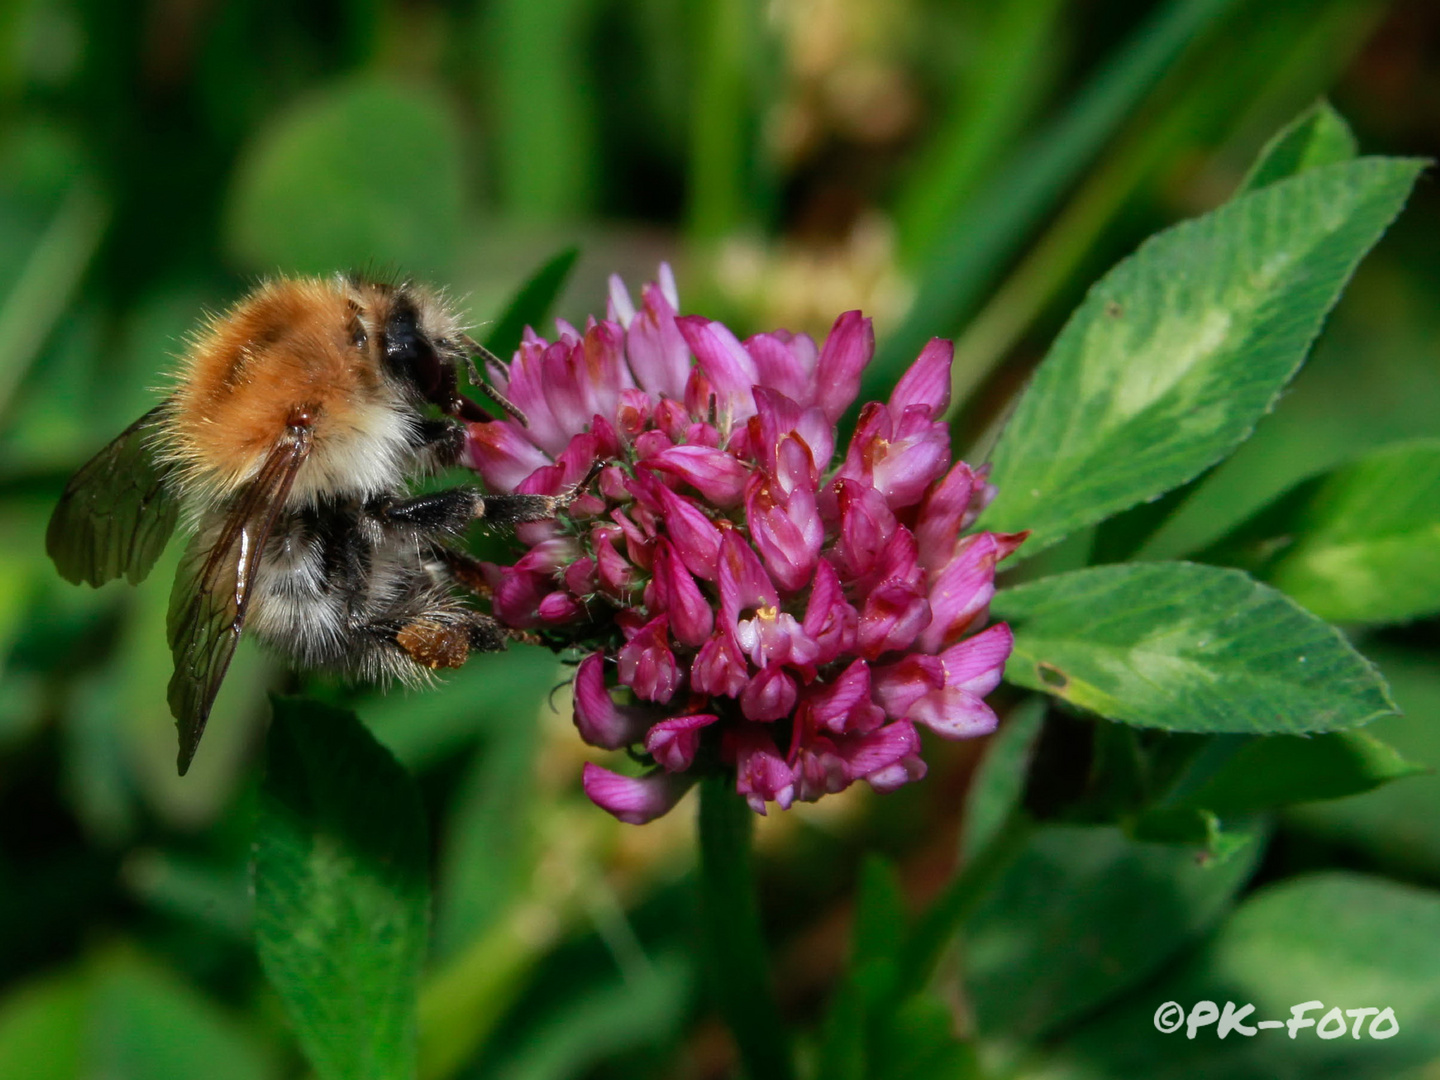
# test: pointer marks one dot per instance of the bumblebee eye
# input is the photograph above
(358, 337)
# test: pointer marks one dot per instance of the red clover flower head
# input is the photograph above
(763, 607)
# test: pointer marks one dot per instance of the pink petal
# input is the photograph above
(942, 513)
(977, 663)
(953, 713)
(899, 685)
(770, 695)
(697, 540)
(714, 473)
(719, 669)
(783, 363)
(655, 347)
(775, 417)
(526, 388)
(647, 665)
(635, 799)
(961, 592)
(907, 466)
(866, 526)
(729, 368)
(844, 705)
(761, 774)
(830, 621)
(500, 453)
(819, 436)
(744, 585)
(787, 530)
(601, 722)
(927, 382)
(673, 742)
(620, 307)
(848, 348)
(893, 616)
(559, 607)
(691, 617)
(907, 770)
(868, 754)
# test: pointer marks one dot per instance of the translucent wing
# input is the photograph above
(117, 512)
(213, 586)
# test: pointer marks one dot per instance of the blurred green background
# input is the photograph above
(961, 168)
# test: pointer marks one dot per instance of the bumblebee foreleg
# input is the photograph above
(440, 513)
(451, 510)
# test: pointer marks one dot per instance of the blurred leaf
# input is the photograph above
(1187, 647)
(1318, 136)
(604, 1021)
(988, 229)
(213, 896)
(918, 1042)
(1279, 769)
(341, 892)
(1182, 347)
(1359, 544)
(532, 304)
(1083, 914)
(1395, 825)
(1294, 50)
(46, 285)
(365, 175)
(843, 1050)
(880, 915)
(864, 1004)
(138, 710)
(482, 698)
(1349, 941)
(1012, 69)
(1181, 825)
(999, 783)
(42, 1029)
(147, 1025)
(489, 843)
(465, 999)
(98, 777)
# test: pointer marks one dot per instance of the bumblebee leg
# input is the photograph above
(441, 442)
(465, 571)
(444, 641)
(518, 509)
(447, 511)
(435, 643)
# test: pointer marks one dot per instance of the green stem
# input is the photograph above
(938, 926)
(730, 918)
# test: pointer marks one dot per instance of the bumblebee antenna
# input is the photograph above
(474, 349)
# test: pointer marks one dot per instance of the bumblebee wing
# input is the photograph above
(213, 586)
(117, 512)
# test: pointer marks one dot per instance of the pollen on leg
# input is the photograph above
(435, 644)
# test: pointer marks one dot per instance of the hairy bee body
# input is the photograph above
(296, 422)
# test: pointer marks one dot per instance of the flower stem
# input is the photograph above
(731, 920)
(938, 926)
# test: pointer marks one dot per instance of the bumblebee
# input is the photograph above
(286, 445)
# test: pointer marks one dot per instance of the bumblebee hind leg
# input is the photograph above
(440, 639)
